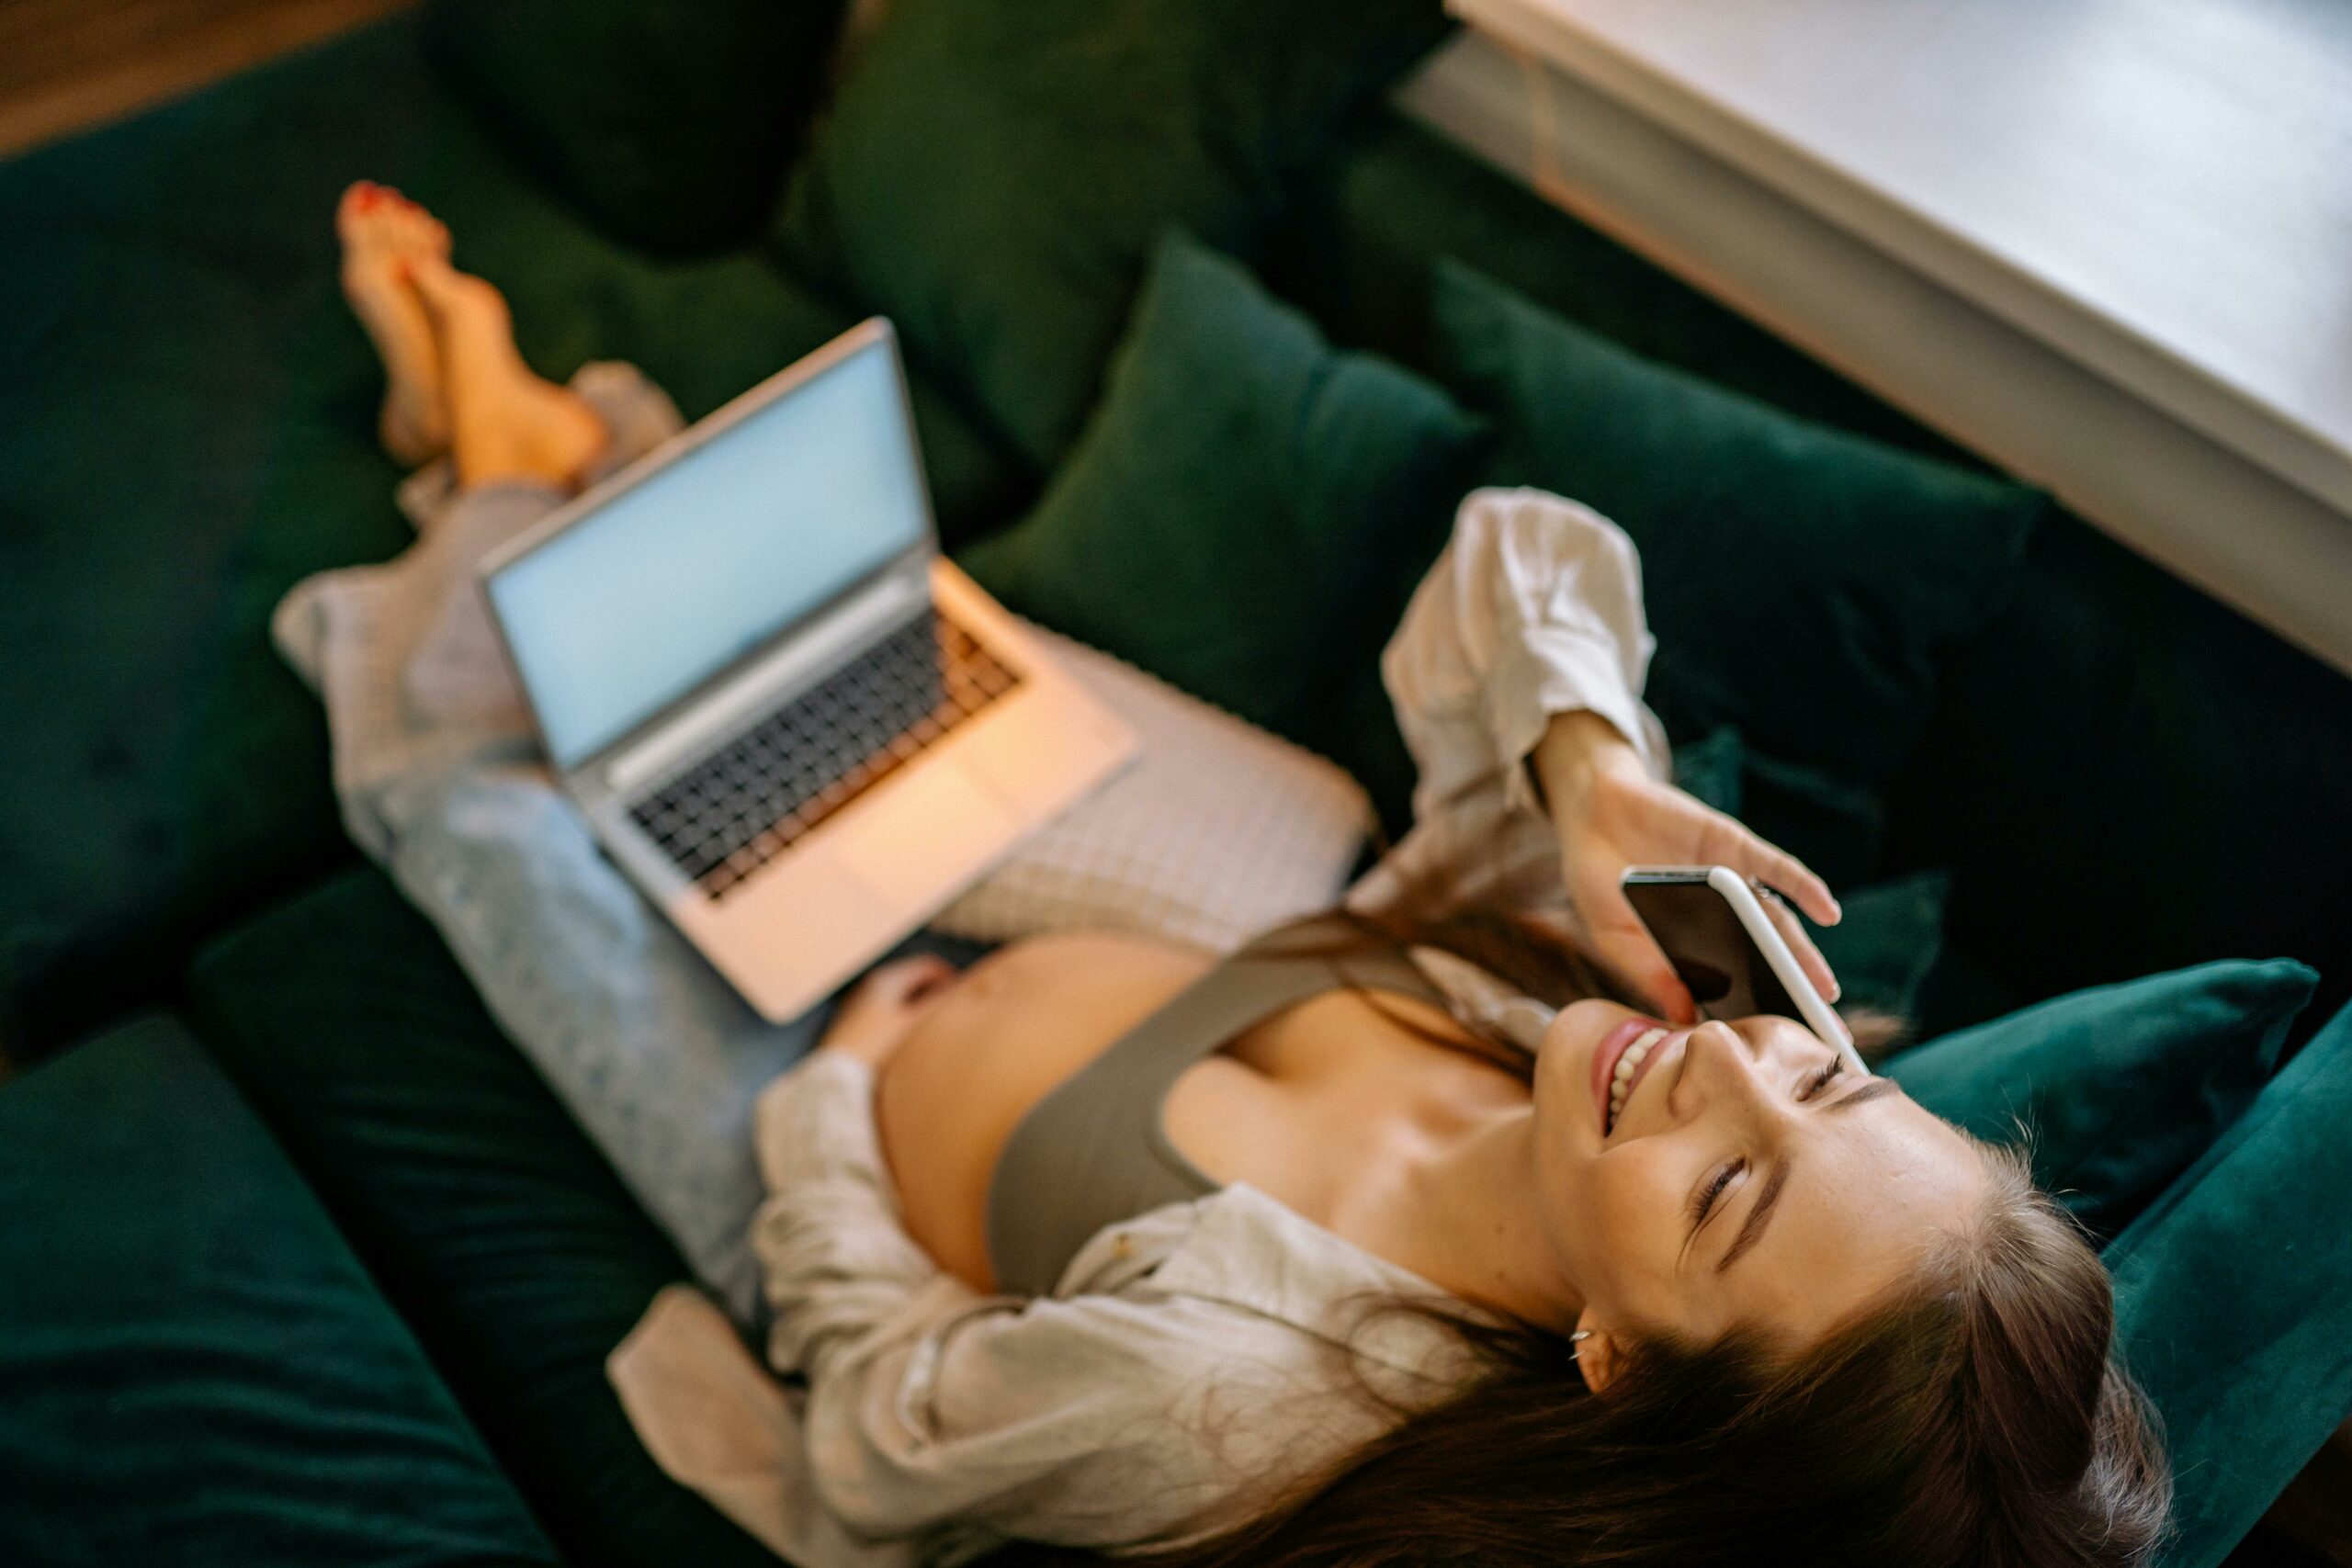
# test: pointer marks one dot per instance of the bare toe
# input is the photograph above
(381, 231)
(410, 229)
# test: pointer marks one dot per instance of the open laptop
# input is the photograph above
(790, 721)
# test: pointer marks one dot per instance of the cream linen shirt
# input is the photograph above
(1203, 1354)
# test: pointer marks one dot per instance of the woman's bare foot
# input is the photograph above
(382, 231)
(505, 423)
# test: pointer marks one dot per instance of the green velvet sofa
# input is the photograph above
(267, 1070)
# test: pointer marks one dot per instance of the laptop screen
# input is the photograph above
(666, 583)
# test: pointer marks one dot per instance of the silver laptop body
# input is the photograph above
(790, 721)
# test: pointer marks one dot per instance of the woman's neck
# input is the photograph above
(1466, 1221)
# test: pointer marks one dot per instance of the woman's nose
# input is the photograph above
(1721, 1065)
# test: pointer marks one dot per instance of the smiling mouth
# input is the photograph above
(1629, 1063)
(1613, 1048)
(1626, 1057)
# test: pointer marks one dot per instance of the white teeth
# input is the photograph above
(1627, 1064)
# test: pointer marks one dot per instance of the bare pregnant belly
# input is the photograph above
(1011, 1031)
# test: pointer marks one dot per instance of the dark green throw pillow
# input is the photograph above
(2118, 1089)
(1803, 583)
(1243, 486)
(670, 121)
(993, 174)
(2231, 1306)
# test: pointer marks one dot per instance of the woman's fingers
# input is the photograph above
(900, 984)
(1625, 948)
(1731, 844)
(1782, 871)
(1710, 837)
(879, 1011)
(904, 980)
(1777, 871)
(1816, 968)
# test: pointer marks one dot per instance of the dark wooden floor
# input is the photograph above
(65, 64)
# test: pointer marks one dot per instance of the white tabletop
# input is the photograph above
(2161, 189)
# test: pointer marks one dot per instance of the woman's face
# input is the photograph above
(1692, 1181)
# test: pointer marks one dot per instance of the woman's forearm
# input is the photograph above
(1577, 748)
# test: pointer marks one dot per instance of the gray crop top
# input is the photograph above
(1096, 1151)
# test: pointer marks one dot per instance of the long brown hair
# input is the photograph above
(1972, 1419)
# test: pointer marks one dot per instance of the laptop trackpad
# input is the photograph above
(934, 836)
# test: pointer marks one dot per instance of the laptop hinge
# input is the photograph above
(795, 659)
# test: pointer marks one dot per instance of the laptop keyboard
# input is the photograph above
(738, 807)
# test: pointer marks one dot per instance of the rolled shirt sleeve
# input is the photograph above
(1534, 609)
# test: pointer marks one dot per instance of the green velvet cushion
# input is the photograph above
(197, 1370)
(994, 172)
(2232, 1300)
(188, 426)
(493, 1225)
(1803, 583)
(1224, 519)
(2117, 1090)
(670, 121)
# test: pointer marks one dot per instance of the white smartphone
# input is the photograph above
(1713, 927)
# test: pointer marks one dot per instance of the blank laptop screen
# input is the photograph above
(666, 583)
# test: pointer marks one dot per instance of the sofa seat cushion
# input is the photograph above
(199, 1370)
(494, 1225)
(187, 419)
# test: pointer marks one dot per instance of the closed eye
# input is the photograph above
(1703, 1201)
(1817, 1084)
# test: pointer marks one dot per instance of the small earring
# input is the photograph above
(1577, 1338)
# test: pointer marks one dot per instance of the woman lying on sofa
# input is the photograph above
(1308, 1255)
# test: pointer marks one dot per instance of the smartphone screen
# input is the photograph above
(1727, 974)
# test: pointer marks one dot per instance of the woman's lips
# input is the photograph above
(1604, 1061)
(1667, 1039)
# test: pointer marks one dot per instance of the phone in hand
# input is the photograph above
(1713, 927)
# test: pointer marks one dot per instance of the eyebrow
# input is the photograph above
(1759, 1213)
(1751, 1230)
(1874, 1089)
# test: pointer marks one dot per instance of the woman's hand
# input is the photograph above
(1610, 814)
(875, 1019)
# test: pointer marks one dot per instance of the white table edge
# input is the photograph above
(2134, 467)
